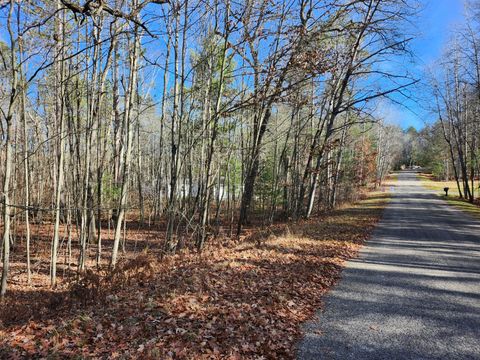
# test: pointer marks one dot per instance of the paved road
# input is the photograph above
(414, 292)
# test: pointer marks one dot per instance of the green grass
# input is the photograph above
(464, 205)
(393, 177)
(453, 195)
(431, 184)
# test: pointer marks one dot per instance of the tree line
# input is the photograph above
(198, 115)
(449, 147)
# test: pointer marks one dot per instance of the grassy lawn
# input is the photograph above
(453, 195)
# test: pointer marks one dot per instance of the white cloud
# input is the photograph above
(395, 114)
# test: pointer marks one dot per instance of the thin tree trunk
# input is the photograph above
(129, 102)
(61, 125)
(26, 172)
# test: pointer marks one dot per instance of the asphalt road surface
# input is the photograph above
(414, 291)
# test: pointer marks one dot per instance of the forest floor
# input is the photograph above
(235, 300)
(453, 195)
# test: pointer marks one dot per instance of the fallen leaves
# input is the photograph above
(233, 302)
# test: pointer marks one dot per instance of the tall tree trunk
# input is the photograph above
(252, 171)
(129, 103)
(213, 137)
(60, 152)
(26, 172)
(174, 143)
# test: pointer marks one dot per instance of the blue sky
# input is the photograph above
(433, 26)
(432, 29)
